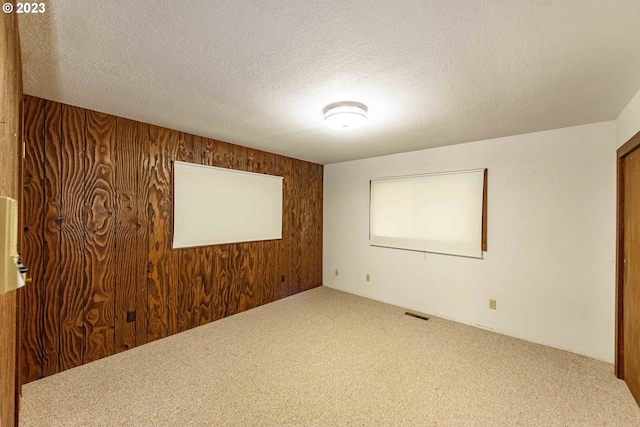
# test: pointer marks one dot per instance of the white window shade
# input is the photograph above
(440, 213)
(215, 205)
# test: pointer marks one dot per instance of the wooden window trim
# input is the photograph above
(484, 211)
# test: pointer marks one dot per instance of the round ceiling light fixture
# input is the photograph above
(345, 115)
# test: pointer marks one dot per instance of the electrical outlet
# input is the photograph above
(492, 304)
(337, 272)
(368, 278)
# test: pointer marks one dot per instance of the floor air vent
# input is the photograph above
(417, 316)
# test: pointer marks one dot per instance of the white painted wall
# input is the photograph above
(551, 239)
(628, 121)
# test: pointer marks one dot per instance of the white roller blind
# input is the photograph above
(439, 213)
(216, 205)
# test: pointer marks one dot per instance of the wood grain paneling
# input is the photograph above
(282, 168)
(243, 296)
(51, 249)
(297, 213)
(268, 257)
(172, 256)
(158, 275)
(292, 225)
(142, 235)
(100, 200)
(114, 181)
(10, 172)
(7, 358)
(317, 199)
(184, 259)
(33, 216)
(222, 158)
(306, 229)
(125, 289)
(72, 236)
(204, 265)
(162, 148)
(204, 274)
(251, 296)
(222, 281)
(187, 282)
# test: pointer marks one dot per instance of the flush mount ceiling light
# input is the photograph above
(345, 115)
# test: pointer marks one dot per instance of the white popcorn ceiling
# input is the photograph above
(258, 73)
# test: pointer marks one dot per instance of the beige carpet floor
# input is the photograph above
(327, 358)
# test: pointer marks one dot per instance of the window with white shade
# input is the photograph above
(439, 212)
(215, 205)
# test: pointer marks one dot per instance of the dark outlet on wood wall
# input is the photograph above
(131, 316)
(282, 278)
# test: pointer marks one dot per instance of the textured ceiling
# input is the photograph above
(258, 73)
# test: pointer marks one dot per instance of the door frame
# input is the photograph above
(626, 149)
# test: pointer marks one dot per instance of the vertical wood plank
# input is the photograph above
(16, 323)
(10, 168)
(126, 221)
(33, 251)
(309, 225)
(51, 250)
(276, 166)
(161, 308)
(184, 259)
(7, 357)
(289, 226)
(295, 266)
(198, 309)
(315, 240)
(238, 157)
(100, 235)
(221, 282)
(276, 245)
(282, 165)
(248, 292)
(172, 257)
(222, 155)
(223, 158)
(318, 177)
(305, 215)
(72, 273)
(255, 164)
(158, 278)
(204, 265)
(241, 288)
(188, 282)
(142, 233)
(253, 295)
(253, 160)
(268, 266)
(237, 270)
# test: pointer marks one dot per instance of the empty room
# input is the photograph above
(331, 213)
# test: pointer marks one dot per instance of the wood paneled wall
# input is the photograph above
(10, 150)
(97, 231)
